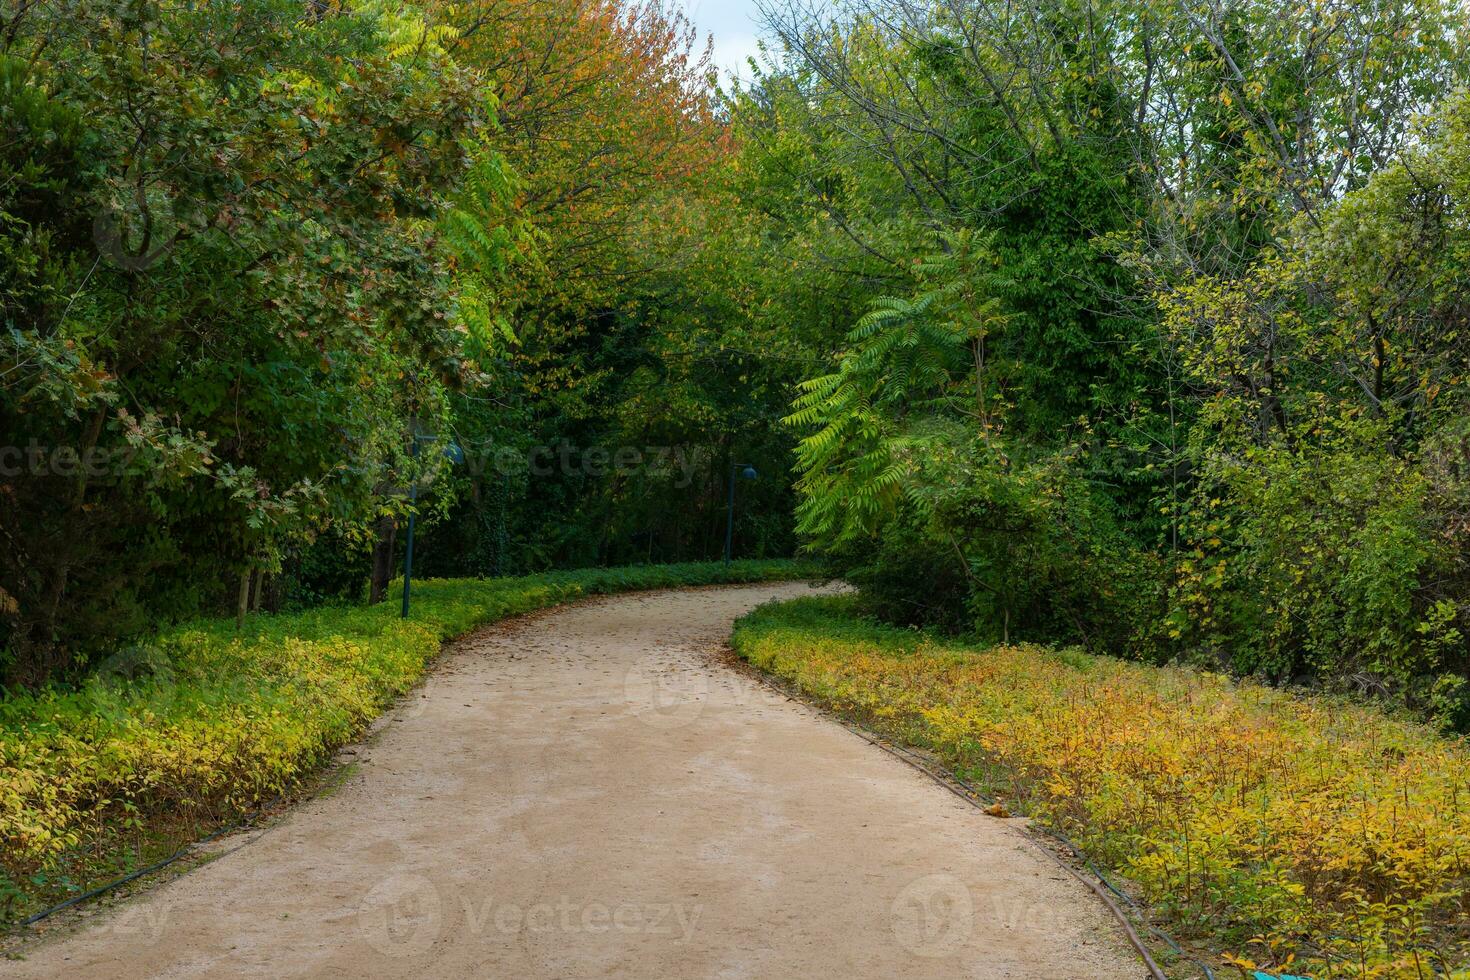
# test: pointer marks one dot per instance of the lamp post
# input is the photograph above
(454, 454)
(746, 472)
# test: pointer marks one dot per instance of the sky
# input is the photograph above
(734, 26)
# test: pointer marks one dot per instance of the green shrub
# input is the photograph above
(1338, 561)
(1004, 550)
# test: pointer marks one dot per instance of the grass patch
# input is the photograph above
(1296, 832)
(178, 736)
(337, 778)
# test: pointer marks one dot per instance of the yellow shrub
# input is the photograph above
(1276, 824)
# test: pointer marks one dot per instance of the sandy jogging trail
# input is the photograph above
(591, 792)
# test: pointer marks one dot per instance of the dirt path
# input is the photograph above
(588, 793)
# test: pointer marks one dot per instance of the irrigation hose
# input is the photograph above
(183, 850)
(1138, 944)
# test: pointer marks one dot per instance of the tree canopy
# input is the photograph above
(1120, 323)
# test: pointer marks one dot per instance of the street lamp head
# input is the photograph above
(749, 473)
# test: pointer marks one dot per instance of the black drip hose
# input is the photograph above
(183, 850)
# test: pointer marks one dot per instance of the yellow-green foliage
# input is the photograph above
(223, 720)
(1273, 825)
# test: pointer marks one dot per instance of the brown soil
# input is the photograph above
(591, 792)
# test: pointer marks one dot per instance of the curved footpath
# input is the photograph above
(588, 792)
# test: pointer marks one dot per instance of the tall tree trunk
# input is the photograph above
(387, 532)
(244, 605)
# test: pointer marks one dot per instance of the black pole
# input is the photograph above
(408, 552)
(730, 515)
(413, 499)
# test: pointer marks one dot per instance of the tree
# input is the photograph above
(224, 295)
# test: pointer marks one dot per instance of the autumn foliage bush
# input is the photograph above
(204, 723)
(1291, 831)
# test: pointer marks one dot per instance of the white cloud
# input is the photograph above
(732, 53)
(734, 27)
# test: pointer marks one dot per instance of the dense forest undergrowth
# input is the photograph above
(1119, 324)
